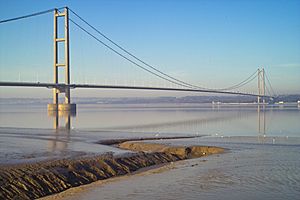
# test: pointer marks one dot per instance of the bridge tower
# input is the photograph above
(261, 85)
(66, 105)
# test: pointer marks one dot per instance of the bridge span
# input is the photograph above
(62, 87)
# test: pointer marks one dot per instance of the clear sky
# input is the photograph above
(209, 43)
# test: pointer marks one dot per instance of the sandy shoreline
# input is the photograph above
(36, 180)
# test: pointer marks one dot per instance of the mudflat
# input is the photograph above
(36, 180)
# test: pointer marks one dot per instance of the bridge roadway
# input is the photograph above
(73, 86)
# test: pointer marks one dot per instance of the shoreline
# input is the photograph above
(36, 180)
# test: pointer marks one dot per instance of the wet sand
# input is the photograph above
(35, 180)
(77, 192)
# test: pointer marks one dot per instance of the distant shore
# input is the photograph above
(36, 180)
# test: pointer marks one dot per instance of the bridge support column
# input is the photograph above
(258, 77)
(261, 85)
(67, 105)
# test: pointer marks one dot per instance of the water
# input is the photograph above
(248, 171)
(263, 161)
(182, 118)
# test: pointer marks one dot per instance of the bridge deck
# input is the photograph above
(73, 86)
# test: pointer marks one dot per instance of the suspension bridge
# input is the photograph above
(265, 90)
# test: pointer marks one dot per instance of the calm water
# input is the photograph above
(182, 118)
(263, 161)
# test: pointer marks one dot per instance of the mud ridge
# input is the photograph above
(118, 141)
(31, 181)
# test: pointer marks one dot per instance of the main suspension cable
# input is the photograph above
(274, 93)
(128, 59)
(154, 68)
(27, 16)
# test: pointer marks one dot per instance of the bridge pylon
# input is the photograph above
(66, 105)
(261, 85)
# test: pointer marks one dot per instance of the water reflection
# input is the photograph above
(62, 133)
(261, 123)
(184, 125)
(212, 121)
(227, 120)
(29, 130)
(59, 141)
(64, 115)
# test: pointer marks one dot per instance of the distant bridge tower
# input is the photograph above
(66, 106)
(261, 85)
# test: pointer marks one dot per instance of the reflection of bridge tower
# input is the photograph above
(58, 115)
(261, 85)
(66, 106)
(261, 112)
(261, 117)
(59, 142)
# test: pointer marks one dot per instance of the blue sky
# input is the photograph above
(208, 43)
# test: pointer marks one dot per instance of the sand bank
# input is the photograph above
(30, 181)
(118, 141)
